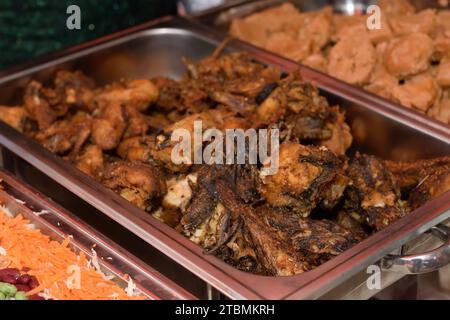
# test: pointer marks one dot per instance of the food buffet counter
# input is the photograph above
(362, 181)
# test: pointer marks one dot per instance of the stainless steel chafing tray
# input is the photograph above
(57, 223)
(157, 49)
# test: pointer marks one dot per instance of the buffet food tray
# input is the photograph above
(157, 49)
(220, 18)
(58, 224)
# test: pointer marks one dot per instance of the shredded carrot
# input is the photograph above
(50, 262)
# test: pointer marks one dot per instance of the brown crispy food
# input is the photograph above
(16, 117)
(137, 149)
(410, 174)
(75, 89)
(140, 184)
(284, 243)
(296, 107)
(276, 256)
(432, 186)
(36, 102)
(109, 125)
(319, 203)
(422, 180)
(66, 135)
(346, 221)
(373, 195)
(317, 240)
(91, 161)
(138, 94)
(307, 177)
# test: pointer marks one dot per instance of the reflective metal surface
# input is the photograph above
(57, 223)
(379, 128)
(422, 262)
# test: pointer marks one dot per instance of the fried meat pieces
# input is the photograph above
(422, 180)
(281, 241)
(373, 196)
(318, 203)
(306, 177)
(304, 116)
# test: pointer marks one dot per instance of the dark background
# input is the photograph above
(30, 28)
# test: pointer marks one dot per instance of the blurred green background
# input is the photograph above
(30, 28)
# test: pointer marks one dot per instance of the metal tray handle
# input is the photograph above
(424, 262)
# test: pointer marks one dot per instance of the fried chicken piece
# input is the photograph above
(219, 119)
(15, 117)
(180, 96)
(116, 122)
(422, 180)
(306, 177)
(137, 123)
(316, 28)
(373, 196)
(37, 105)
(409, 55)
(346, 221)
(341, 138)
(381, 81)
(75, 89)
(140, 184)
(137, 149)
(409, 174)
(108, 126)
(66, 135)
(91, 161)
(164, 150)
(277, 256)
(303, 116)
(234, 73)
(430, 187)
(245, 180)
(209, 223)
(287, 44)
(138, 94)
(285, 30)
